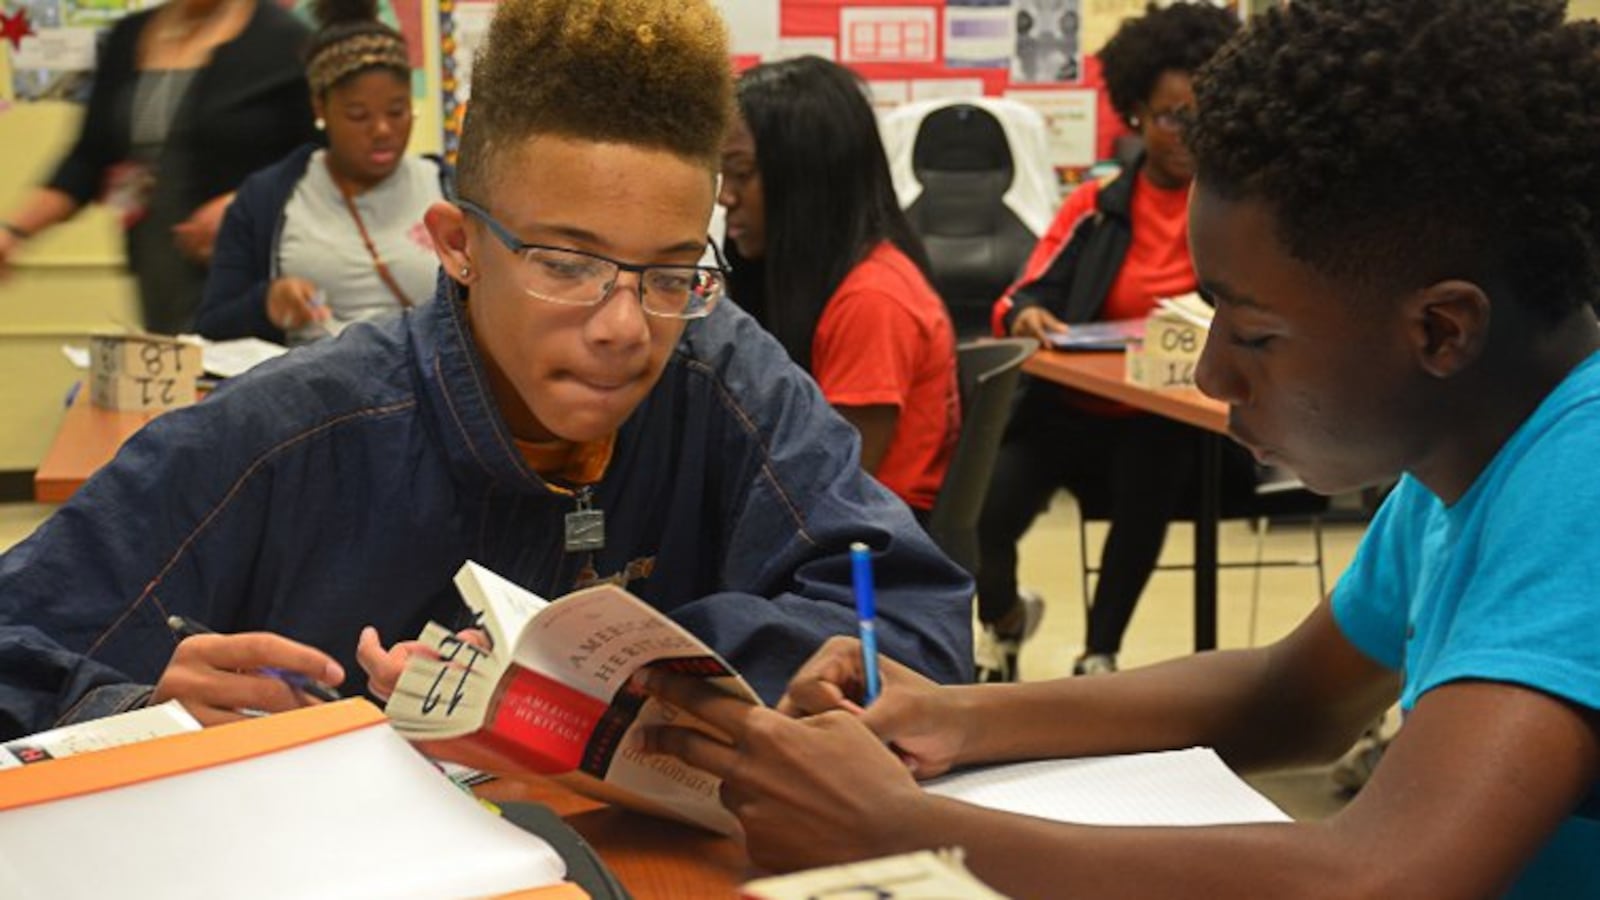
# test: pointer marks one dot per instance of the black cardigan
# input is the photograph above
(246, 108)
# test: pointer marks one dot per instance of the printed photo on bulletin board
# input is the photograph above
(1047, 42)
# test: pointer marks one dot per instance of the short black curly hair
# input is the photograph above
(1402, 142)
(1176, 38)
(652, 73)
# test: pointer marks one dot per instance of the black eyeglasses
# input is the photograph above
(580, 278)
(1174, 120)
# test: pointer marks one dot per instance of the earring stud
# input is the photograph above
(321, 123)
(466, 271)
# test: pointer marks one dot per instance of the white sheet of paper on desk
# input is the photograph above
(1174, 787)
(78, 356)
(226, 359)
(356, 815)
(98, 734)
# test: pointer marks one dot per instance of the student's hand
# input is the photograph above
(197, 235)
(808, 791)
(291, 304)
(384, 666)
(217, 676)
(1038, 323)
(912, 713)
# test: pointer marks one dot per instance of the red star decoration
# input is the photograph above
(15, 27)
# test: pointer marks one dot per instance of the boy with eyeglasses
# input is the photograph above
(579, 404)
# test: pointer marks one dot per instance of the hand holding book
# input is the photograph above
(384, 665)
(552, 693)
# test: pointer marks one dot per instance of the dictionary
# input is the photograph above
(548, 691)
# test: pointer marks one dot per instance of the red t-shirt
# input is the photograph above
(1158, 263)
(885, 339)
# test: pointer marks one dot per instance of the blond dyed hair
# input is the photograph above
(650, 73)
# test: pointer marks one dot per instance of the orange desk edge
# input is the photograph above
(87, 439)
(1102, 373)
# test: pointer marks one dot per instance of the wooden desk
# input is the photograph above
(1101, 374)
(89, 436)
(651, 857)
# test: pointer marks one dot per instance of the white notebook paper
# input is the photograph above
(354, 814)
(1174, 787)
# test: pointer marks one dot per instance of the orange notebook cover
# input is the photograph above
(259, 789)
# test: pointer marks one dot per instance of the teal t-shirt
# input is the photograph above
(1503, 585)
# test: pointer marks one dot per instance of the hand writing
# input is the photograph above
(217, 676)
(291, 304)
(911, 713)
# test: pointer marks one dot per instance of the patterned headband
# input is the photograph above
(353, 54)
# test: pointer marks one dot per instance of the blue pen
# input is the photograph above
(866, 617)
(295, 680)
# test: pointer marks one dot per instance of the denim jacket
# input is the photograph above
(344, 484)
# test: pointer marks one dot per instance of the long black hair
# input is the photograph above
(829, 197)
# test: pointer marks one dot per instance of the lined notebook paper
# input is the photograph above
(1174, 787)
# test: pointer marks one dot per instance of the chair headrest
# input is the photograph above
(961, 138)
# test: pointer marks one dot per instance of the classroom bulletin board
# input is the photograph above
(1038, 52)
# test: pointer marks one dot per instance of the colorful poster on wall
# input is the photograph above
(888, 34)
(1047, 42)
(946, 88)
(1069, 117)
(46, 56)
(60, 49)
(97, 13)
(979, 34)
(886, 94)
(462, 27)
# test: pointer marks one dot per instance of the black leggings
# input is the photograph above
(1134, 470)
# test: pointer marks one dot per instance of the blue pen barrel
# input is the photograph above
(866, 617)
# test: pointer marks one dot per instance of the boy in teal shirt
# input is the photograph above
(1395, 211)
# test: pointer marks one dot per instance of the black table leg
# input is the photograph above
(1205, 543)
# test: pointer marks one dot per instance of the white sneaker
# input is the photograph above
(1095, 664)
(1353, 769)
(996, 654)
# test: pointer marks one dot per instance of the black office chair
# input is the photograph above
(964, 167)
(988, 373)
